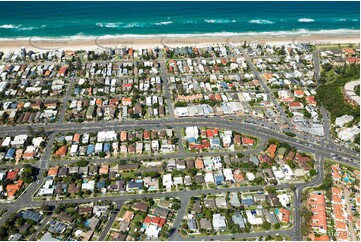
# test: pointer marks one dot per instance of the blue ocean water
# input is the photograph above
(88, 19)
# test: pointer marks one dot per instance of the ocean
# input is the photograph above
(81, 20)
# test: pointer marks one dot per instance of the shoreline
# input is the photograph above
(104, 42)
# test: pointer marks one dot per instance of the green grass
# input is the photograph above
(332, 86)
(125, 175)
(137, 218)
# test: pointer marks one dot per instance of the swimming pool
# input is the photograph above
(277, 211)
(87, 222)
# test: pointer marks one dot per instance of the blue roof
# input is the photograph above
(192, 140)
(100, 184)
(90, 149)
(216, 141)
(10, 153)
(248, 201)
(106, 147)
(218, 179)
(32, 215)
(76, 91)
(132, 184)
(224, 85)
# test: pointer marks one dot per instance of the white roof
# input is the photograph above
(88, 186)
(209, 177)
(178, 180)
(348, 133)
(227, 172)
(341, 121)
(74, 148)
(250, 176)
(284, 199)
(37, 141)
(152, 231)
(218, 221)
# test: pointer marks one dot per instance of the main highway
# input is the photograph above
(261, 132)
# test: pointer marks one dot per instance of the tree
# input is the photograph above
(277, 226)
(240, 155)
(82, 163)
(271, 189)
(31, 130)
(185, 226)
(307, 114)
(180, 104)
(208, 213)
(290, 134)
(46, 209)
(305, 225)
(313, 172)
(102, 154)
(291, 164)
(266, 225)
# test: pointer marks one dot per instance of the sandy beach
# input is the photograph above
(41, 45)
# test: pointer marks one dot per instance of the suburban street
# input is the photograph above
(321, 147)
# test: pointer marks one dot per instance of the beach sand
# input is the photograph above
(41, 45)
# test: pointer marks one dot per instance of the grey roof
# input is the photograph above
(272, 218)
(274, 201)
(47, 237)
(205, 223)
(248, 200)
(84, 170)
(32, 215)
(210, 203)
(16, 237)
(93, 223)
(192, 224)
(63, 171)
(197, 206)
(57, 227)
(254, 159)
(161, 212)
(74, 169)
(199, 178)
(259, 196)
(233, 199)
(237, 218)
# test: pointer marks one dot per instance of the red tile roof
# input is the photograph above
(11, 189)
(247, 141)
(154, 220)
(12, 174)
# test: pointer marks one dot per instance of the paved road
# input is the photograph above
(149, 195)
(266, 88)
(239, 236)
(316, 64)
(65, 100)
(298, 197)
(109, 224)
(44, 222)
(258, 131)
(27, 196)
(180, 214)
(262, 132)
(351, 222)
(166, 87)
(180, 154)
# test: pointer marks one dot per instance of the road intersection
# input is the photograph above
(257, 129)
